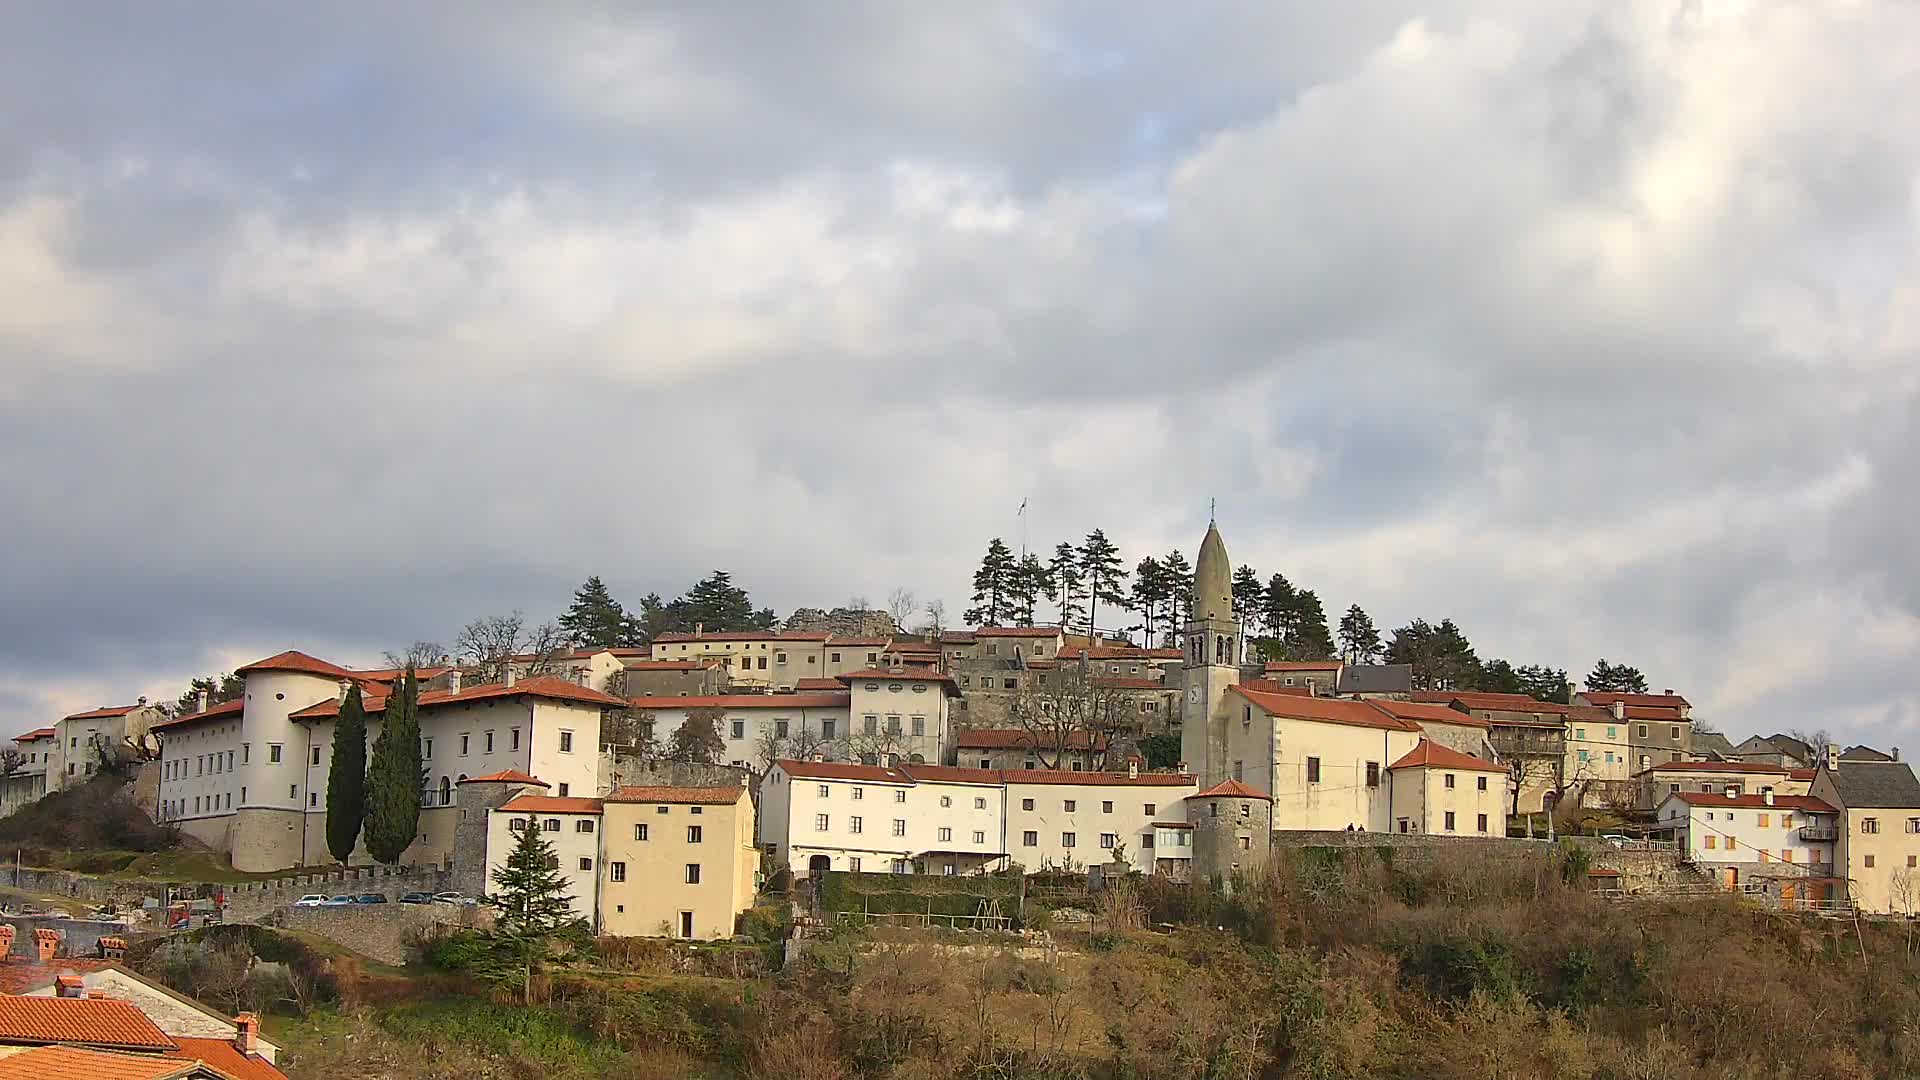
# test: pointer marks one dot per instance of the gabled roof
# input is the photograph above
(1864, 753)
(551, 804)
(294, 660)
(1018, 631)
(904, 673)
(18, 976)
(1376, 679)
(1659, 701)
(1655, 713)
(741, 635)
(225, 710)
(37, 733)
(1095, 779)
(1232, 789)
(819, 684)
(1302, 665)
(1325, 710)
(1475, 699)
(1268, 686)
(1875, 784)
(694, 796)
(1117, 652)
(1426, 712)
(540, 686)
(1020, 739)
(843, 770)
(1754, 801)
(671, 665)
(505, 776)
(79, 1063)
(745, 701)
(952, 774)
(1431, 755)
(100, 1022)
(222, 1055)
(105, 712)
(1715, 767)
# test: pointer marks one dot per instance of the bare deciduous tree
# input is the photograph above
(492, 642)
(882, 746)
(420, 654)
(1070, 709)
(901, 605)
(11, 760)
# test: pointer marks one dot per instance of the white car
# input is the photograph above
(310, 900)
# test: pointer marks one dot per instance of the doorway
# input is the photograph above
(818, 865)
(686, 924)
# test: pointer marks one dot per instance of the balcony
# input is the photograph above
(1819, 834)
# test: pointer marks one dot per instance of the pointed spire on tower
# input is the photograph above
(1213, 578)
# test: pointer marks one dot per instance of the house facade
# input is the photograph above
(1654, 784)
(1785, 842)
(1442, 792)
(1876, 845)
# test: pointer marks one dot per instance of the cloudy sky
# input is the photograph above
(1591, 326)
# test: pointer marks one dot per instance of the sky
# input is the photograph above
(1591, 326)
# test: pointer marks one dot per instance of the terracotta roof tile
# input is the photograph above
(703, 796)
(221, 1054)
(505, 776)
(1115, 652)
(1232, 789)
(551, 804)
(952, 774)
(740, 635)
(294, 660)
(1017, 631)
(540, 686)
(745, 701)
(1019, 739)
(1268, 686)
(1475, 699)
(101, 1022)
(1715, 767)
(1418, 711)
(1328, 710)
(1302, 665)
(1095, 779)
(828, 684)
(78, 1063)
(672, 665)
(19, 977)
(37, 733)
(843, 770)
(1431, 755)
(1604, 698)
(105, 712)
(1755, 801)
(225, 710)
(1649, 712)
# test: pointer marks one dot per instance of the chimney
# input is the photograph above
(1133, 768)
(512, 676)
(1573, 691)
(699, 629)
(46, 943)
(1766, 796)
(142, 701)
(246, 1033)
(69, 986)
(1619, 710)
(446, 660)
(202, 701)
(1896, 753)
(1668, 691)
(346, 687)
(113, 948)
(1833, 756)
(6, 941)
(453, 681)
(1733, 791)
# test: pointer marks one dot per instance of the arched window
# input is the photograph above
(446, 792)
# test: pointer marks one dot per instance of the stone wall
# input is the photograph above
(82, 887)
(381, 932)
(631, 772)
(252, 901)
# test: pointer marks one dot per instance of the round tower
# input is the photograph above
(1232, 831)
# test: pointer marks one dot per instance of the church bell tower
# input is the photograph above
(1213, 650)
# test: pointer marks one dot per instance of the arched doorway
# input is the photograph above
(446, 792)
(818, 865)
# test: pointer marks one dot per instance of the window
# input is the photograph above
(1066, 839)
(1449, 819)
(1580, 733)
(870, 725)
(513, 738)
(1869, 825)
(946, 835)
(1313, 770)
(836, 658)
(1449, 780)
(293, 791)
(584, 825)
(899, 795)
(552, 824)
(586, 863)
(979, 836)
(273, 753)
(827, 729)
(316, 756)
(1026, 804)
(1482, 823)
(946, 800)
(893, 725)
(858, 794)
(763, 663)
(1711, 840)
(1012, 684)
(1643, 731)
(899, 826)
(1869, 862)
(1071, 804)
(739, 729)
(780, 658)
(1761, 821)
(566, 742)
(1913, 824)
(1786, 855)
(563, 789)
(853, 863)
(1482, 785)
(1108, 840)
(466, 741)
(1373, 774)
(1148, 809)
(693, 834)
(780, 729)
(693, 878)
(640, 831)
(1146, 840)
(1030, 839)
(824, 790)
(617, 871)
(855, 825)
(1106, 806)
(246, 752)
(980, 802)
(820, 822)
(1674, 734)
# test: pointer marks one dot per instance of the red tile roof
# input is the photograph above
(1605, 697)
(1431, 755)
(842, 770)
(105, 712)
(1328, 710)
(740, 635)
(745, 701)
(881, 643)
(702, 796)
(1115, 682)
(294, 660)
(1302, 665)
(78, 1063)
(37, 733)
(1801, 774)
(221, 1054)
(1116, 652)
(223, 711)
(19, 977)
(672, 665)
(1268, 686)
(818, 683)
(1474, 699)
(1647, 712)
(1232, 789)
(1017, 631)
(103, 1022)
(540, 686)
(1755, 801)
(952, 774)
(1716, 767)
(551, 804)
(1420, 711)
(393, 674)
(1095, 779)
(505, 776)
(1019, 739)
(905, 674)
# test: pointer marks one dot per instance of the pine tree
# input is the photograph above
(1030, 583)
(1359, 639)
(394, 777)
(1441, 656)
(1311, 641)
(1544, 683)
(993, 587)
(347, 778)
(531, 909)
(1616, 678)
(1064, 573)
(596, 619)
(1179, 590)
(1248, 596)
(1279, 612)
(1149, 592)
(1101, 569)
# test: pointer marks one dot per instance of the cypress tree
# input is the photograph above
(393, 779)
(347, 779)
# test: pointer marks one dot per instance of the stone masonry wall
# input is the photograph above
(382, 932)
(251, 901)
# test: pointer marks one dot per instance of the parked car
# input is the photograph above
(448, 898)
(340, 901)
(416, 898)
(311, 900)
(1615, 839)
(370, 898)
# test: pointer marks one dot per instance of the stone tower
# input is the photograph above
(478, 798)
(1213, 647)
(1232, 830)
